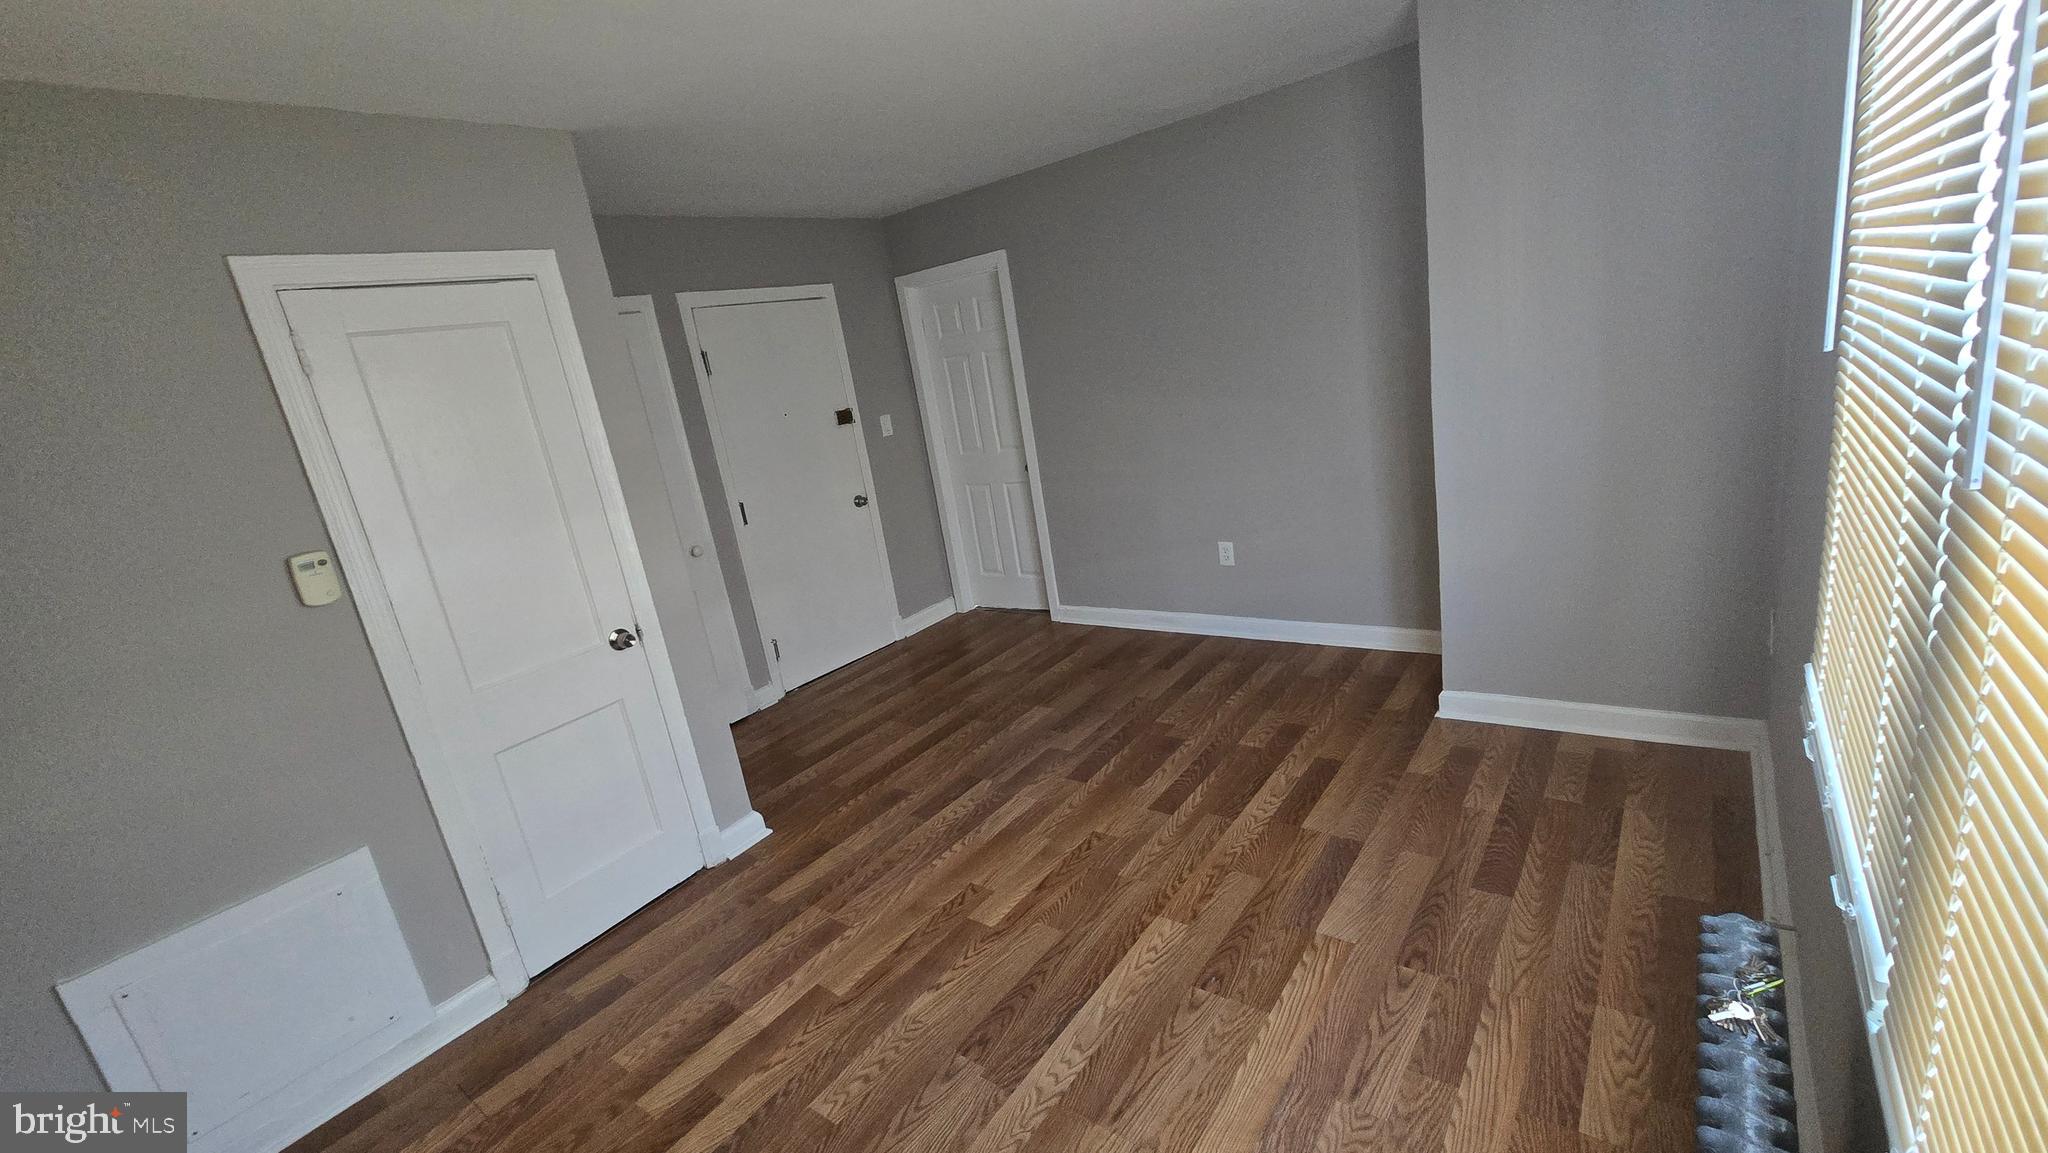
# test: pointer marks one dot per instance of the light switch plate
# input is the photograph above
(314, 576)
(888, 426)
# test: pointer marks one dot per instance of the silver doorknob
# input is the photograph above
(623, 639)
(860, 500)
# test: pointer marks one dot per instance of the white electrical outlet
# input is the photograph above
(1226, 553)
(888, 426)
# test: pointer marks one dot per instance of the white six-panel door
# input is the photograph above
(972, 394)
(709, 664)
(776, 386)
(454, 425)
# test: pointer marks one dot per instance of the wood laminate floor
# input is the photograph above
(1052, 887)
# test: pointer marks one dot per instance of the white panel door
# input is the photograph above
(809, 536)
(709, 663)
(464, 455)
(974, 396)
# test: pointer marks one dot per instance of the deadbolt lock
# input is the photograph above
(860, 500)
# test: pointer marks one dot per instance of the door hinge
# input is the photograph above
(305, 362)
(777, 646)
(706, 358)
(743, 513)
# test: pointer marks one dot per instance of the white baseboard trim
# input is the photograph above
(1806, 1095)
(277, 1128)
(744, 834)
(926, 617)
(1600, 720)
(765, 695)
(1387, 637)
(1770, 840)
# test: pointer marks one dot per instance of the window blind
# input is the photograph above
(1930, 672)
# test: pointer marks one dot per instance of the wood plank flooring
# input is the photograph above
(1039, 887)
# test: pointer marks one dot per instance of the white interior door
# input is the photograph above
(710, 664)
(776, 387)
(464, 454)
(971, 393)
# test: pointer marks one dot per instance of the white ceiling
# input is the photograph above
(728, 107)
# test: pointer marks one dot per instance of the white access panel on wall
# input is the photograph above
(271, 998)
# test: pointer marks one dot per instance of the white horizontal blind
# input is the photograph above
(1929, 660)
(1988, 1064)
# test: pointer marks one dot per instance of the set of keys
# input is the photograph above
(1743, 1012)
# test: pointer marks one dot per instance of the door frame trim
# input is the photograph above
(997, 262)
(687, 303)
(260, 280)
(665, 417)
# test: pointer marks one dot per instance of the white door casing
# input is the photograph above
(960, 322)
(481, 526)
(718, 673)
(772, 367)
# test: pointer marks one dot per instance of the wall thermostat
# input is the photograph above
(315, 577)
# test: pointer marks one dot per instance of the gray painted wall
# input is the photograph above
(664, 255)
(1608, 210)
(1844, 1093)
(178, 732)
(1630, 208)
(1224, 327)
